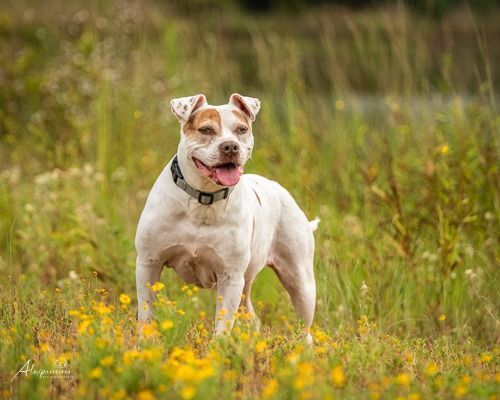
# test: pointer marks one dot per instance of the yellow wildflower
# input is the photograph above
(460, 390)
(230, 375)
(185, 373)
(149, 330)
(44, 347)
(270, 388)
(320, 336)
(125, 299)
(260, 346)
(403, 379)
(408, 357)
(431, 369)
(305, 376)
(101, 343)
(119, 394)
(103, 309)
(150, 354)
(157, 287)
(306, 395)
(106, 321)
(145, 395)
(444, 149)
(129, 356)
(338, 376)
(205, 371)
(442, 317)
(188, 392)
(96, 373)
(486, 358)
(167, 324)
(107, 361)
(74, 313)
(82, 327)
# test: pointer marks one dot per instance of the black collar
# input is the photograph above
(204, 198)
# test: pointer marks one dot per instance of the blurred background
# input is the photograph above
(380, 117)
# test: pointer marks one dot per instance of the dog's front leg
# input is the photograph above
(229, 290)
(147, 273)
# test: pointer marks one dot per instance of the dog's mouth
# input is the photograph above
(227, 174)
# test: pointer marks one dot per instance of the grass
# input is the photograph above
(379, 123)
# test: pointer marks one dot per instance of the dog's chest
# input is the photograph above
(195, 264)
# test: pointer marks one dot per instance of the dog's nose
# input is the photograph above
(229, 148)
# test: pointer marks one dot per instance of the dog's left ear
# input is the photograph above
(183, 107)
(249, 105)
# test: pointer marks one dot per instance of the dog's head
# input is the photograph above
(217, 140)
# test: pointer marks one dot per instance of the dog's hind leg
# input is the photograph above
(292, 260)
(302, 291)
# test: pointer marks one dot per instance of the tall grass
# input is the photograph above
(382, 123)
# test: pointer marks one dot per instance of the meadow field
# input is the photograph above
(382, 122)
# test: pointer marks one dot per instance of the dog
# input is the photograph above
(217, 227)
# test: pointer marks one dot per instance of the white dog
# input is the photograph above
(216, 227)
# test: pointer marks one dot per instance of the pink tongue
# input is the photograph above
(228, 175)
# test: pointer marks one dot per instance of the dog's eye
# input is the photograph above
(206, 130)
(241, 129)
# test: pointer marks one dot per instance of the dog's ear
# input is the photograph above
(183, 107)
(249, 105)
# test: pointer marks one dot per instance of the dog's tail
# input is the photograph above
(314, 224)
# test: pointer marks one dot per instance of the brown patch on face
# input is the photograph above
(209, 117)
(242, 118)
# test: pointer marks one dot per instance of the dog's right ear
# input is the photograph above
(183, 107)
